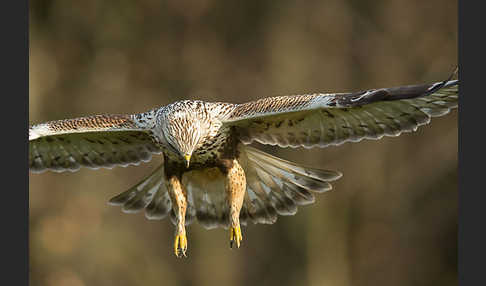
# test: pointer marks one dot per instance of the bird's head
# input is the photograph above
(184, 132)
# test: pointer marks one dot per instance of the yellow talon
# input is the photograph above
(180, 245)
(235, 235)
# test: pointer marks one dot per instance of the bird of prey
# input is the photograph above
(209, 172)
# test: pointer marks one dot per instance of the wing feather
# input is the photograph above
(332, 119)
(93, 142)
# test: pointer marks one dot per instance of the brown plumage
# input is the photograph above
(209, 173)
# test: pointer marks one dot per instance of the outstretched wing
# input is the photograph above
(332, 119)
(93, 142)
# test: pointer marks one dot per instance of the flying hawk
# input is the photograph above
(209, 172)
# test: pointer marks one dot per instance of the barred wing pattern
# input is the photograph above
(93, 142)
(332, 119)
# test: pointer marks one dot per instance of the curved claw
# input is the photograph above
(180, 245)
(235, 236)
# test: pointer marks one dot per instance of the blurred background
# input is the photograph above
(390, 220)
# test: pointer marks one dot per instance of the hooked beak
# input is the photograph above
(187, 157)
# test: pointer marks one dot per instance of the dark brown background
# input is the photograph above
(391, 219)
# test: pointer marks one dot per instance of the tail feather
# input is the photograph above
(160, 205)
(279, 186)
(150, 194)
(318, 174)
(298, 194)
(207, 198)
(282, 203)
(258, 202)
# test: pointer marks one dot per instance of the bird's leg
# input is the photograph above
(235, 187)
(178, 197)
